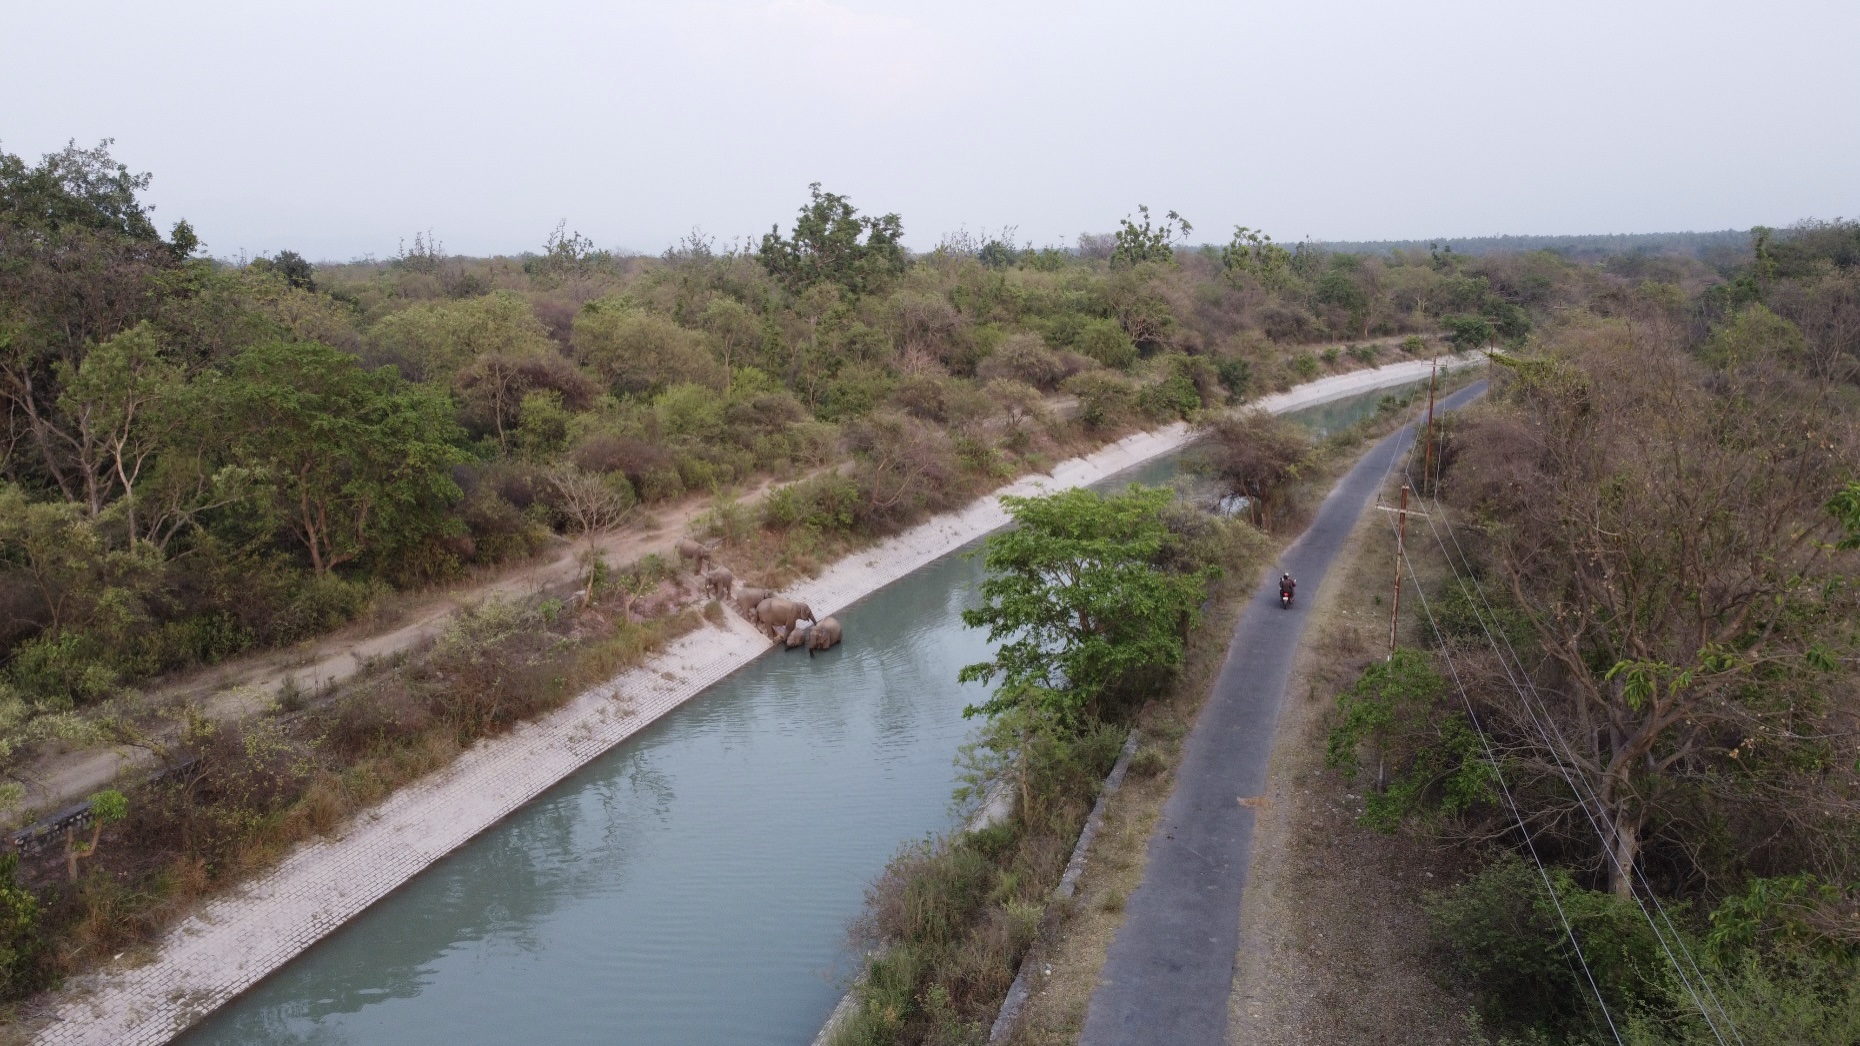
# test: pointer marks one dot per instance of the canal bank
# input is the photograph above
(238, 940)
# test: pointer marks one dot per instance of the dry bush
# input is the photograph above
(905, 469)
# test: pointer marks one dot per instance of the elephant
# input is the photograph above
(718, 582)
(747, 599)
(821, 635)
(695, 551)
(786, 613)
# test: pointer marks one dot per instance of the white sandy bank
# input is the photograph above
(238, 939)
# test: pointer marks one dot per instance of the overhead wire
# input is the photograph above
(1564, 756)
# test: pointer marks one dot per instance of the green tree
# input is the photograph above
(831, 243)
(1148, 242)
(635, 351)
(1466, 333)
(1078, 602)
(351, 460)
(106, 808)
(120, 402)
(1252, 252)
(82, 188)
(435, 340)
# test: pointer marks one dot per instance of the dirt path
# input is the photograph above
(249, 684)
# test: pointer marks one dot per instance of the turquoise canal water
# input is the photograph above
(694, 885)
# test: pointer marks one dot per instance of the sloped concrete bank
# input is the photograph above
(235, 941)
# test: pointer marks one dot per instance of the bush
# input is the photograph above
(828, 502)
(1103, 340)
(1433, 758)
(1501, 936)
(22, 951)
(1106, 400)
(1023, 358)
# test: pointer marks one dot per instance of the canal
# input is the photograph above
(694, 885)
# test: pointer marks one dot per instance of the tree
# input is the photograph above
(1252, 252)
(119, 401)
(1078, 602)
(1254, 455)
(593, 505)
(635, 351)
(733, 329)
(1466, 333)
(1666, 531)
(826, 246)
(434, 340)
(81, 188)
(350, 460)
(1147, 242)
(106, 808)
(291, 267)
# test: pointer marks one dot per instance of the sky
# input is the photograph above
(340, 129)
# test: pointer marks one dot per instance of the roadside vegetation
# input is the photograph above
(1091, 599)
(1634, 721)
(953, 918)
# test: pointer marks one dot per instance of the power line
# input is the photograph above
(1530, 843)
(1564, 754)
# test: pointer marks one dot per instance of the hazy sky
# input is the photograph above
(338, 128)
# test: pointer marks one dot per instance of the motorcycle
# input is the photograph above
(1285, 599)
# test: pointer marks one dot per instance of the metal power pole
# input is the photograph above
(1401, 550)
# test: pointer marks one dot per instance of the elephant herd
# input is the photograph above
(780, 619)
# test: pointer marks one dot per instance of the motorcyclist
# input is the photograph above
(1286, 585)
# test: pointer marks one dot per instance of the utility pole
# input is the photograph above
(1401, 551)
(1427, 462)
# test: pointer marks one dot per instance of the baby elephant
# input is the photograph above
(719, 582)
(747, 599)
(821, 635)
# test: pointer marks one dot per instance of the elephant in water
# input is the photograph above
(718, 582)
(821, 635)
(747, 599)
(695, 551)
(775, 611)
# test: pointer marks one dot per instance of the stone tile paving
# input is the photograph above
(238, 939)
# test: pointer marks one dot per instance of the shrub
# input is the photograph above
(1305, 365)
(827, 502)
(1024, 358)
(1501, 935)
(1106, 400)
(1105, 341)
(22, 950)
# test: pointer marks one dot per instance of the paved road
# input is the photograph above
(1171, 968)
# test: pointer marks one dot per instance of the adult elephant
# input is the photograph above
(696, 552)
(775, 612)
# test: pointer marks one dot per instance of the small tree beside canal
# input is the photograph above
(1081, 599)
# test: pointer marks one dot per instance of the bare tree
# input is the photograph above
(592, 506)
(1665, 530)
